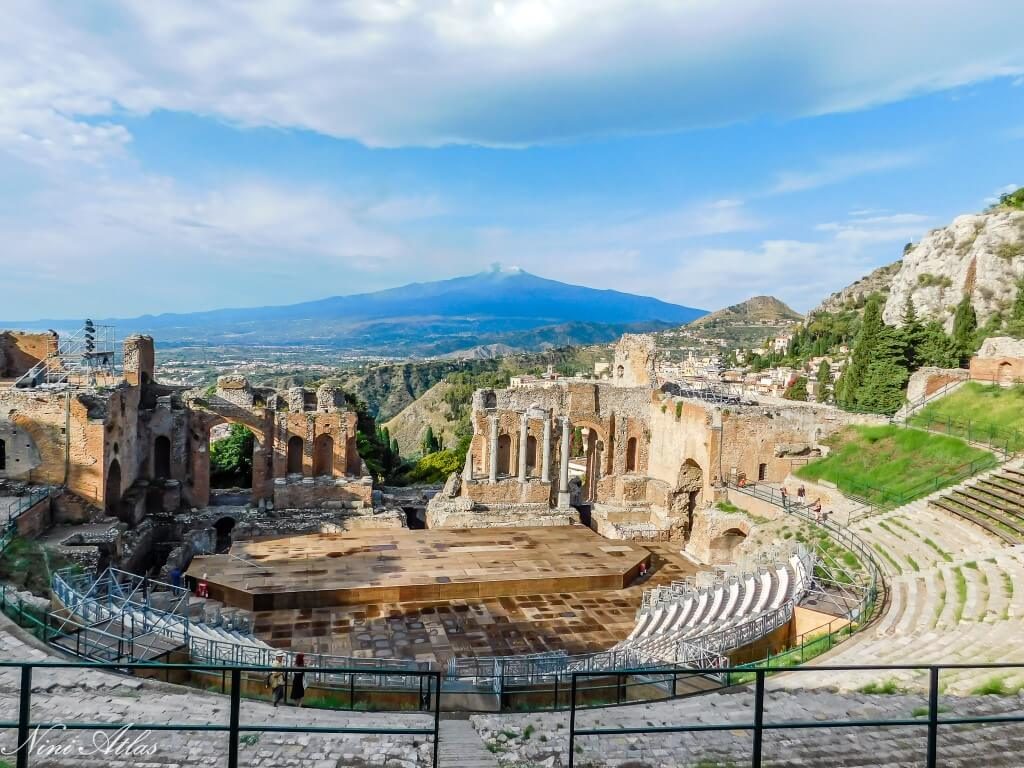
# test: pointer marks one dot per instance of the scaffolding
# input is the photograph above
(85, 358)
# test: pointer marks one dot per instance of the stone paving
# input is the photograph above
(542, 739)
(76, 695)
(577, 622)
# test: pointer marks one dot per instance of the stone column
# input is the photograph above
(492, 454)
(524, 437)
(545, 460)
(563, 470)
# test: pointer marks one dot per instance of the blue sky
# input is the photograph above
(190, 156)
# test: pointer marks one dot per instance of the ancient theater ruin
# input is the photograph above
(592, 524)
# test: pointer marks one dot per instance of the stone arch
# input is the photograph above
(620, 372)
(690, 483)
(631, 452)
(162, 457)
(722, 548)
(112, 489)
(1005, 375)
(295, 450)
(323, 455)
(504, 454)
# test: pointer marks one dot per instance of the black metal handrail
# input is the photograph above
(758, 725)
(234, 728)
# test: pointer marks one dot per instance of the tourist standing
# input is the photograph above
(785, 499)
(299, 681)
(800, 493)
(277, 680)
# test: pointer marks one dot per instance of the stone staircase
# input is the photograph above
(994, 502)
(956, 596)
(461, 747)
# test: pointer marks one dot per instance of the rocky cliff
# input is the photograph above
(980, 255)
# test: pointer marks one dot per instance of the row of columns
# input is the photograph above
(524, 434)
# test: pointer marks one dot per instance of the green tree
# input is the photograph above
(429, 444)
(871, 329)
(936, 348)
(824, 381)
(797, 390)
(913, 330)
(231, 459)
(1015, 325)
(965, 323)
(885, 376)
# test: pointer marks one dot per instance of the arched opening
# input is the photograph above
(223, 527)
(723, 548)
(631, 455)
(531, 454)
(323, 456)
(1006, 373)
(3, 455)
(112, 489)
(504, 454)
(162, 457)
(762, 472)
(294, 455)
(620, 372)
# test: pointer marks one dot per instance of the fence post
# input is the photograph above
(755, 760)
(933, 715)
(236, 701)
(436, 680)
(24, 712)
(572, 723)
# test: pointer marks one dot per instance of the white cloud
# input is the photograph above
(171, 247)
(513, 72)
(840, 168)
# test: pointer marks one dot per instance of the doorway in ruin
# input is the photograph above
(323, 456)
(531, 454)
(223, 527)
(594, 448)
(631, 455)
(504, 454)
(295, 455)
(3, 455)
(162, 458)
(1005, 375)
(723, 548)
(112, 489)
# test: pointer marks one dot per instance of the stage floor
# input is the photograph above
(397, 566)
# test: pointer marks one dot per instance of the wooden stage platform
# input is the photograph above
(388, 566)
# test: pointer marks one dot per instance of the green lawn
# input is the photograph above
(980, 412)
(891, 465)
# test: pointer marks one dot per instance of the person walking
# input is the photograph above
(785, 499)
(276, 680)
(299, 681)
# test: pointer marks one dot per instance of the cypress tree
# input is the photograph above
(871, 328)
(824, 381)
(936, 348)
(965, 323)
(886, 374)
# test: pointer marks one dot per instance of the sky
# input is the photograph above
(179, 156)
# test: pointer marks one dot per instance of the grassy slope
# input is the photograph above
(883, 463)
(986, 407)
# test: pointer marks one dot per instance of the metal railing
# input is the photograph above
(1006, 441)
(128, 599)
(15, 510)
(88, 352)
(25, 725)
(758, 725)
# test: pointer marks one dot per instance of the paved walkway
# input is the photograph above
(77, 695)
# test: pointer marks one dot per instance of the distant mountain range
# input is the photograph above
(508, 307)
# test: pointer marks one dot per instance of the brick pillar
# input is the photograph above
(524, 436)
(492, 450)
